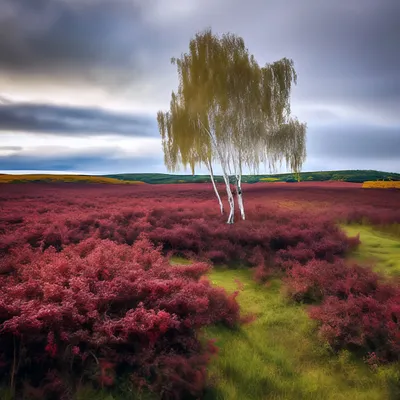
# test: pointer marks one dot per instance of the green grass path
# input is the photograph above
(377, 248)
(279, 355)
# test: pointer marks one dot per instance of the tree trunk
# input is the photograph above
(240, 196)
(230, 200)
(221, 206)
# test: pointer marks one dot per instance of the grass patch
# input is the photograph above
(175, 260)
(279, 355)
(269, 179)
(379, 249)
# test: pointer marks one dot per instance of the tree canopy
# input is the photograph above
(228, 109)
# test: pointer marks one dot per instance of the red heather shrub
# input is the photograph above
(317, 279)
(110, 309)
(186, 222)
(261, 273)
(358, 311)
(361, 323)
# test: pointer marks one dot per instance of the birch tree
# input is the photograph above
(229, 110)
(185, 143)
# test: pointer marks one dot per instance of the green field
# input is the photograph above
(346, 176)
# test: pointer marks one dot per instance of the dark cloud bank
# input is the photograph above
(72, 121)
(99, 161)
(346, 53)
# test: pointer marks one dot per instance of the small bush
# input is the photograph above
(318, 279)
(361, 323)
(358, 311)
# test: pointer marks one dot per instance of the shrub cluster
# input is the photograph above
(271, 235)
(357, 311)
(98, 310)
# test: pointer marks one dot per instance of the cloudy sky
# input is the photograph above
(81, 80)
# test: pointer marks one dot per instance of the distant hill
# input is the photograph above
(358, 176)
(345, 176)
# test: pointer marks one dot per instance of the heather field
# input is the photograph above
(144, 292)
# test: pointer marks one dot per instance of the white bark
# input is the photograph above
(240, 195)
(221, 206)
(230, 200)
(224, 166)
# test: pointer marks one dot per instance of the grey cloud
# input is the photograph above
(329, 164)
(11, 148)
(355, 143)
(345, 52)
(99, 40)
(4, 100)
(342, 50)
(93, 161)
(318, 115)
(73, 121)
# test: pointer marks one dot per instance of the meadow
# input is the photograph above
(143, 292)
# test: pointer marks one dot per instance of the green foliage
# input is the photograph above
(228, 108)
(348, 175)
(291, 180)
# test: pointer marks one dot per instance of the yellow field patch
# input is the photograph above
(269, 179)
(62, 178)
(381, 185)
